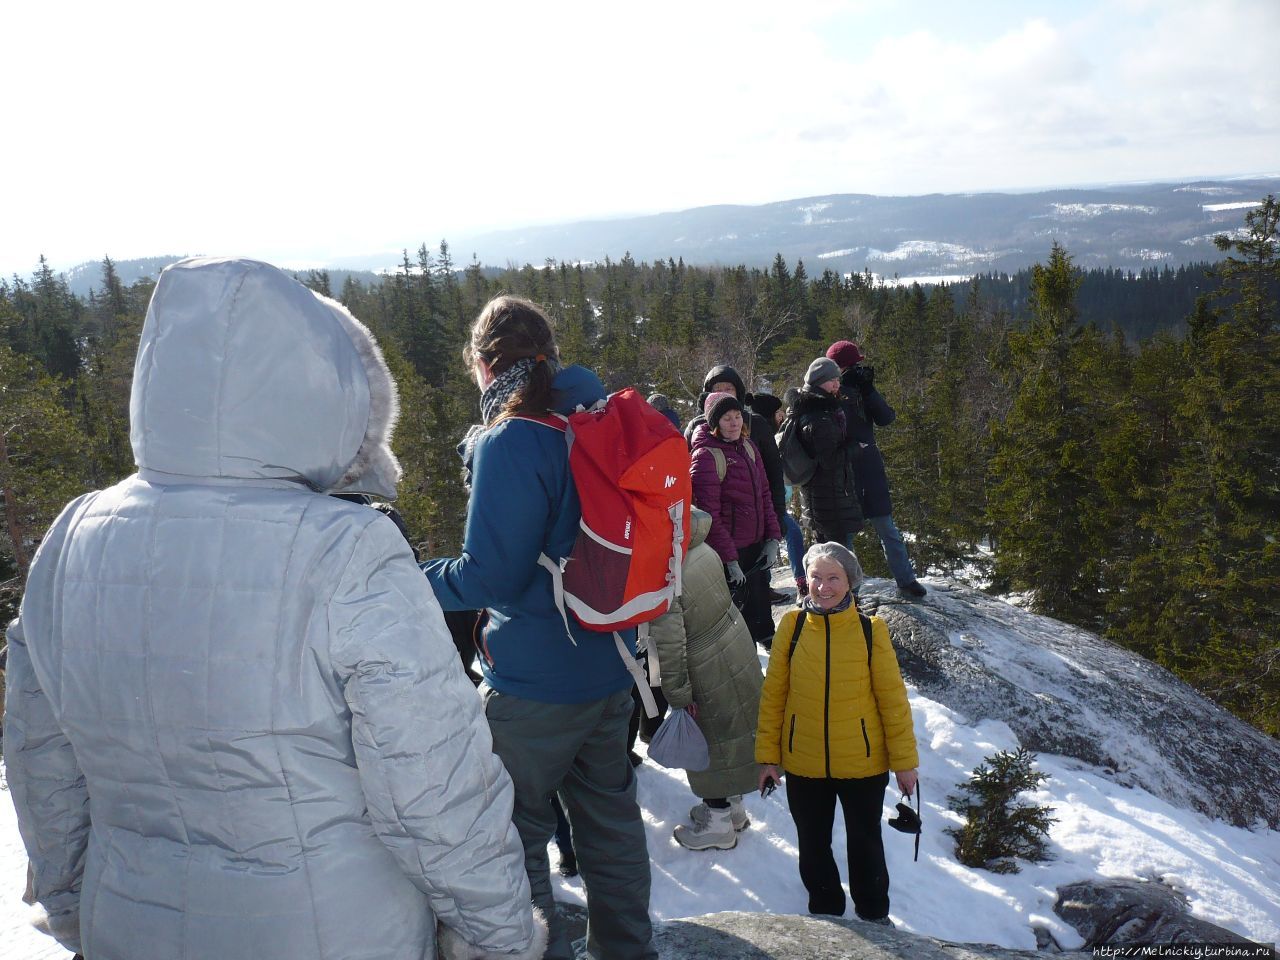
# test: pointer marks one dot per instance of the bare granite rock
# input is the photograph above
(1065, 691)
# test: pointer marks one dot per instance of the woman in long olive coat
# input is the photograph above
(706, 658)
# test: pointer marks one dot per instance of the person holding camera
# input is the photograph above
(834, 715)
(830, 496)
(865, 409)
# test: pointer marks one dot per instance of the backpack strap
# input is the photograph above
(722, 465)
(637, 675)
(795, 636)
(556, 421)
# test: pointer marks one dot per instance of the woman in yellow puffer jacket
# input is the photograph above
(834, 715)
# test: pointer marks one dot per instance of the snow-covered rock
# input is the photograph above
(765, 937)
(1066, 691)
(1120, 912)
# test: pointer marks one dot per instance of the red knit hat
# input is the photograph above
(845, 353)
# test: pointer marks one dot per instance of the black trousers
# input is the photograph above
(812, 802)
(752, 598)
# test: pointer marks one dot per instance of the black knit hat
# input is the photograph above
(766, 405)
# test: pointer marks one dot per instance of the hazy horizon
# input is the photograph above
(306, 133)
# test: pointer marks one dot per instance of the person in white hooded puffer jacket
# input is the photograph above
(251, 679)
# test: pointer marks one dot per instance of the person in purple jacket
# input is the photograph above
(729, 482)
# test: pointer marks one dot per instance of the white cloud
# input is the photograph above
(306, 130)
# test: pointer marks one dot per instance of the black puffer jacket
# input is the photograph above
(865, 409)
(831, 498)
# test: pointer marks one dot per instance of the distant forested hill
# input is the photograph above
(1125, 227)
(86, 278)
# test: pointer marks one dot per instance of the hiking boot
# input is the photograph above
(635, 758)
(802, 588)
(568, 864)
(879, 921)
(737, 813)
(778, 596)
(714, 831)
(915, 590)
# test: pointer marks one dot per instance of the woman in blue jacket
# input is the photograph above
(557, 702)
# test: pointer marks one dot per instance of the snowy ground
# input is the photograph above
(1231, 875)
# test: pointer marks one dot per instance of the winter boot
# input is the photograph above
(879, 921)
(714, 831)
(737, 813)
(915, 590)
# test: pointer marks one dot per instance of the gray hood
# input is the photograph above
(244, 373)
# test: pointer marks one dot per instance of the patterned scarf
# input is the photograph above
(492, 399)
(843, 605)
(504, 386)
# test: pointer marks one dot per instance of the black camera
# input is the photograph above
(864, 375)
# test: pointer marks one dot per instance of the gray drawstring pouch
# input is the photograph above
(678, 743)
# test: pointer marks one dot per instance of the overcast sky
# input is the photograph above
(299, 132)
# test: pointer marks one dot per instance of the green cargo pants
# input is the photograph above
(579, 749)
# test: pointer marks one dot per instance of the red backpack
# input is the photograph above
(630, 467)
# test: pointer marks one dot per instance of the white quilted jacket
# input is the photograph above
(236, 725)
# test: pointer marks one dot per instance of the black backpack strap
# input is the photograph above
(866, 632)
(795, 636)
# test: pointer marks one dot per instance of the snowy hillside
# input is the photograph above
(1127, 226)
(1230, 875)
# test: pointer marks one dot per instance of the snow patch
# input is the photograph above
(1239, 233)
(923, 281)
(1145, 253)
(931, 248)
(1234, 205)
(810, 210)
(1207, 191)
(832, 254)
(1087, 211)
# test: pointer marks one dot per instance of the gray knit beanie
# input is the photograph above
(822, 370)
(838, 553)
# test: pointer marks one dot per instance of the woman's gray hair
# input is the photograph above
(837, 553)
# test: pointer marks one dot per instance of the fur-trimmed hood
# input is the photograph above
(245, 374)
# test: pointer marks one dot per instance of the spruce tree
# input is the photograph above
(42, 464)
(998, 828)
(1214, 564)
(1042, 468)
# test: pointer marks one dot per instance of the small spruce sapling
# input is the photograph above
(997, 828)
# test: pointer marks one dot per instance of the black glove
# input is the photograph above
(865, 375)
